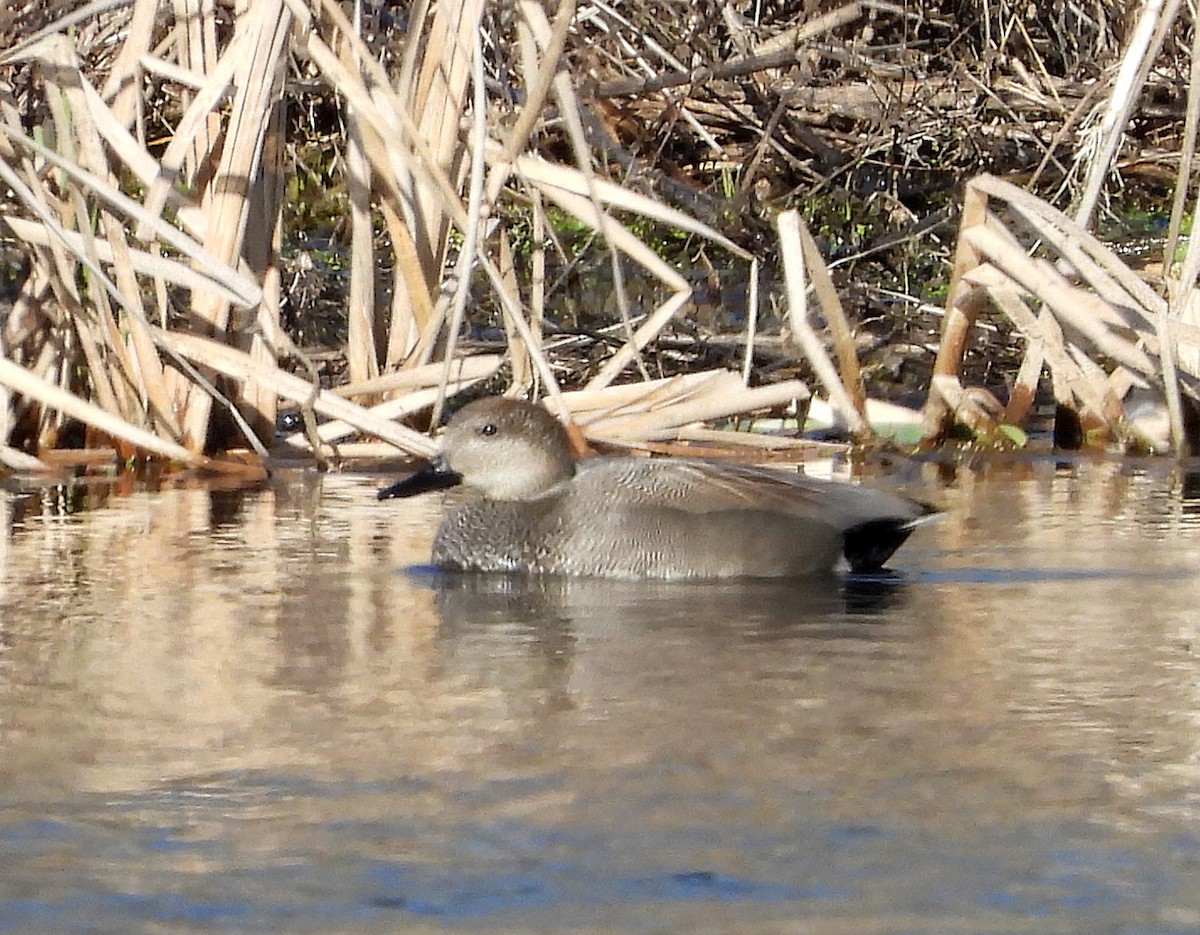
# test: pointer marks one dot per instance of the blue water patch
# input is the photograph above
(98, 911)
(455, 865)
(457, 896)
(42, 831)
(1009, 575)
(315, 895)
(1070, 880)
(846, 835)
(466, 895)
(703, 885)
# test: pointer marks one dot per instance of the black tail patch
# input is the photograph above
(868, 545)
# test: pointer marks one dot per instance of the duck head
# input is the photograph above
(505, 448)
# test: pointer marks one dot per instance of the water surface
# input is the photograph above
(248, 711)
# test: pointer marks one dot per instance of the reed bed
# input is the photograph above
(146, 152)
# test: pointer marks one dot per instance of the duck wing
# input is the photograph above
(708, 487)
(872, 523)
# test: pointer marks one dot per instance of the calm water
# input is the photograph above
(238, 712)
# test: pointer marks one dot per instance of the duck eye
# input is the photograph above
(487, 428)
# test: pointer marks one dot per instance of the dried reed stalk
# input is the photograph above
(470, 245)
(20, 380)
(256, 75)
(398, 407)
(837, 322)
(791, 242)
(363, 336)
(1156, 19)
(219, 241)
(196, 246)
(423, 388)
(962, 306)
(1046, 338)
(479, 367)
(588, 404)
(785, 49)
(242, 366)
(1109, 309)
(728, 399)
(967, 408)
(1186, 156)
(21, 463)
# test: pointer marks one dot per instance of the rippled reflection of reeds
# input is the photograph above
(1039, 644)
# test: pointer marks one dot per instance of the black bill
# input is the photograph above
(436, 475)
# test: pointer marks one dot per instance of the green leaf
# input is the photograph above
(1014, 434)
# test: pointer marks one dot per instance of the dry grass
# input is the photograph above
(144, 152)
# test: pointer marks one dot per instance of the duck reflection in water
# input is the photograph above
(550, 609)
